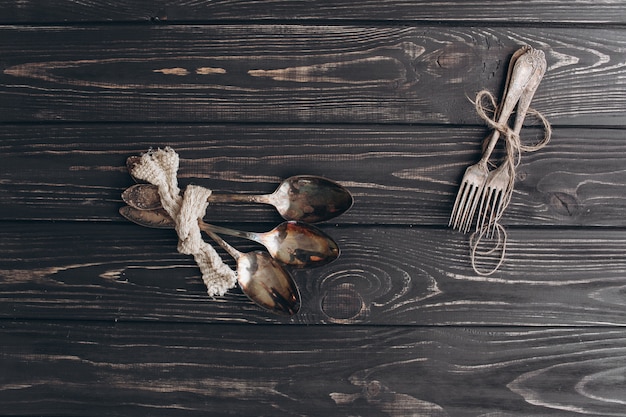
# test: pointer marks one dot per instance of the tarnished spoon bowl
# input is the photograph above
(142, 196)
(263, 280)
(267, 283)
(297, 244)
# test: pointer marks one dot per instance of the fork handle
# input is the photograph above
(522, 74)
(529, 90)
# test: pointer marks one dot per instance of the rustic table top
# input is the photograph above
(99, 316)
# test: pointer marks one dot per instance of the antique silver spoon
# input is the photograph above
(263, 280)
(303, 198)
(292, 243)
(260, 277)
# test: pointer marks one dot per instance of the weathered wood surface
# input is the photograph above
(398, 174)
(94, 369)
(99, 316)
(541, 11)
(385, 275)
(304, 73)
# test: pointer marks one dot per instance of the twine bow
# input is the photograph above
(160, 168)
(513, 142)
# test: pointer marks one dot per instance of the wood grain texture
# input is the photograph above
(93, 369)
(99, 316)
(398, 174)
(385, 275)
(562, 11)
(304, 73)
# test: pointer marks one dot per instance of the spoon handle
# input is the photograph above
(239, 198)
(161, 220)
(228, 248)
(230, 232)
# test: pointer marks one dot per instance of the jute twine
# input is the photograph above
(513, 152)
(160, 168)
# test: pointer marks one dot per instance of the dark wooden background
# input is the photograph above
(99, 316)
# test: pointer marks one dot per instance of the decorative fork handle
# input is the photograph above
(539, 60)
(527, 72)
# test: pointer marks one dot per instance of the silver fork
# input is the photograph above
(498, 185)
(472, 184)
(495, 197)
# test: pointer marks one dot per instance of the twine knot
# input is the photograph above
(160, 168)
(512, 139)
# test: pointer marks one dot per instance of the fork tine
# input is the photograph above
(493, 214)
(475, 198)
(485, 204)
(457, 206)
(466, 208)
(464, 193)
(468, 196)
(467, 193)
(462, 213)
(498, 210)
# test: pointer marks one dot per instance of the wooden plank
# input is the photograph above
(563, 11)
(385, 275)
(398, 174)
(100, 316)
(299, 73)
(74, 368)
